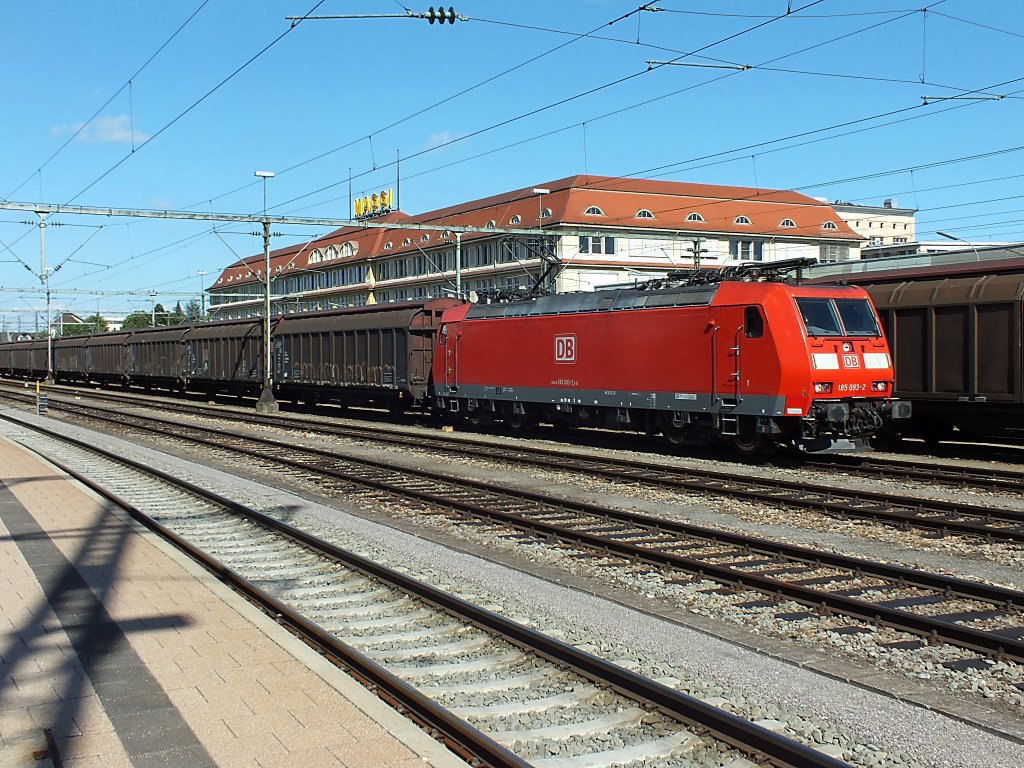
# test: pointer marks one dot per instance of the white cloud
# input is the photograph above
(441, 138)
(105, 130)
(437, 139)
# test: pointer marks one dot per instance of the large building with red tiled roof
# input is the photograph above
(597, 231)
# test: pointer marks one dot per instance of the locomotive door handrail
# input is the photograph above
(714, 365)
(736, 371)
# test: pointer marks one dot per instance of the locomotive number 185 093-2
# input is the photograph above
(852, 387)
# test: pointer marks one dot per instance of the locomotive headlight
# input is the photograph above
(847, 346)
(879, 386)
(823, 387)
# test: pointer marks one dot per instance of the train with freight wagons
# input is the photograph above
(747, 354)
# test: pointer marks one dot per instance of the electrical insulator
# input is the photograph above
(441, 15)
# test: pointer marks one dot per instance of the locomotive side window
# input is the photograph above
(819, 317)
(443, 338)
(753, 323)
(857, 316)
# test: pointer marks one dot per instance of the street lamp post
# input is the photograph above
(540, 192)
(960, 239)
(202, 294)
(44, 278)
(266, 403)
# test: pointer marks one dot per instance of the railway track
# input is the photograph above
(939, 608)
(940, 517)
(497, 692)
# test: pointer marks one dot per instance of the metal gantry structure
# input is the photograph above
(267, 402)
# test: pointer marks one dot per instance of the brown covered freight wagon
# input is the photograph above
(376, 355)
(956, 331)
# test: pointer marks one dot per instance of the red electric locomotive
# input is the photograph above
(744, 354)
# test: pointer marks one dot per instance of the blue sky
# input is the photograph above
(831, 105)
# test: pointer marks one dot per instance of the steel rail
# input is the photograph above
(722, 725)
(973, 639)
(927, 514)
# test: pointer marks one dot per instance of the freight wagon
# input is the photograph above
(956, 332)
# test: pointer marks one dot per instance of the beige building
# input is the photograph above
(879, 225)
(597, 231)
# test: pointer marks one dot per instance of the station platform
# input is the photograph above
(115, 650)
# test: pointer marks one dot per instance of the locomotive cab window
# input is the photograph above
(443, 336)
(753, 323)
(858, 319)
(838, 317)
(819, 316)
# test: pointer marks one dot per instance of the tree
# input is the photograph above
(159, 315)
(137, 320)
(177, 317)
(193, 312)
(91, 324)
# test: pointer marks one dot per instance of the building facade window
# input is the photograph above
(787, 224)
(831, 252)
(694, 217)
(741, 220)
(597, 245)
(594, 211)
(746, 250)
(515, 219)
(643, 213)
(829, 225)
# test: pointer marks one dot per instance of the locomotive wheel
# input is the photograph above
(747, 441)
(519, 422)
(675, 435)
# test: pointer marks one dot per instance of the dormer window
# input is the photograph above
(446, 235)
(695, 217)
(787, 224)
(643, 213)
(594, 211)
(407, 241)
(515, 219)
(546, 213)
(741, 220)
(388, 246)
(490, 224)
(425, 238)
(829, 225)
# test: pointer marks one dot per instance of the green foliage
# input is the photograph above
(137, 320)
(193, 312)
(91, 324)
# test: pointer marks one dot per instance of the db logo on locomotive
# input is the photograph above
(565, 348)
(851, 361)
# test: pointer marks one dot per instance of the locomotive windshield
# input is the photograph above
(837, 317)
(858, 319)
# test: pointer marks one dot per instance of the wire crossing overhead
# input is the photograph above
(439, 15)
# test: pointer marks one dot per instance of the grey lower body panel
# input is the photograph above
(682, 402)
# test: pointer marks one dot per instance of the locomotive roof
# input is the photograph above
(598, 301)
